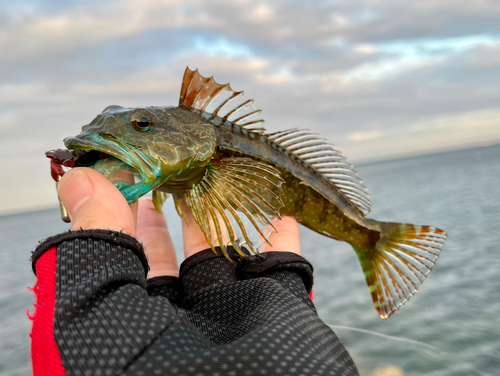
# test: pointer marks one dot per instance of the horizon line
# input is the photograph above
(387, 158)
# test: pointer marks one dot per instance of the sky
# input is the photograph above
(380, 79)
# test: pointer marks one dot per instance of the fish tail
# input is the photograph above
(399, 262)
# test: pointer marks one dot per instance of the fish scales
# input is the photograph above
(213, 153)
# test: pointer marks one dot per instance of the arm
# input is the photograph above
(97, 314)
(91, 303)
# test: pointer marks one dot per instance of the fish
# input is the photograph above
(213, 154)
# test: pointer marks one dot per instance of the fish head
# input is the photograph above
(165, 145)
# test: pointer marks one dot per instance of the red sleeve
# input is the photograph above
(44, 352)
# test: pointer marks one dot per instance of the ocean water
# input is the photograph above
(451, 327)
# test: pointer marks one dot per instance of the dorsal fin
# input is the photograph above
(206, 95)
(326, 160)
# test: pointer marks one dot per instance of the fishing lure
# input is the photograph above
(236, 178)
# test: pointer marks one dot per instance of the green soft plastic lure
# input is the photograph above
(236, 178)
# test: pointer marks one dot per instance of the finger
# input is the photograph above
(193, 237)
(152, 232)
(134, 208)
(93, 202)
(286, 238)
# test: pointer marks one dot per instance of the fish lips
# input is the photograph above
(109, 144)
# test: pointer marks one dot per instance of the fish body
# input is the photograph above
(308, 196)
(236, 178)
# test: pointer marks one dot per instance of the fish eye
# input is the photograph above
(143, 124)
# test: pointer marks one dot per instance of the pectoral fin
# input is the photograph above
(236, 202)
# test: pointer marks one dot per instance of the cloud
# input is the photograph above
(261, 13)
(82, 26)
(390, 67)
(377, 78)
(22, 92)
(368, 135)
(400, 56)
(485, 56)
(469, 124)
(365, 49)
(433, 46)
(222, 47)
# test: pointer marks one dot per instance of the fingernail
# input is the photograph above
(74, 189)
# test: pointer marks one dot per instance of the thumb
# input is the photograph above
(93, 202)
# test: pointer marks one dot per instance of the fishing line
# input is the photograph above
(408, 340)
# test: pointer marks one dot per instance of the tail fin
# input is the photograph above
(399, 263)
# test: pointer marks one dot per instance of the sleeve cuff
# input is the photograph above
(270, 262)
(206, 269)
(206, 255)
(114, 237)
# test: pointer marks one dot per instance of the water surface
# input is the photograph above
(456, 312)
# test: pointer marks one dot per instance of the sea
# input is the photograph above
(451, 327)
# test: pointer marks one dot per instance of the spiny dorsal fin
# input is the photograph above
(236, 202)
(330, 163)
(206, 95)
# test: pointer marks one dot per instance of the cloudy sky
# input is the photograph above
(379, 78)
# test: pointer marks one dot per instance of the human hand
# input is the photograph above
(93, 202)
(286, 238)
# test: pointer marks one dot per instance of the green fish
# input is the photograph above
(237, 180)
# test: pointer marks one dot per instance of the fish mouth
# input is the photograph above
(107, 143)
(129, 169)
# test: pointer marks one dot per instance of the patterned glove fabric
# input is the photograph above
(96, 314)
